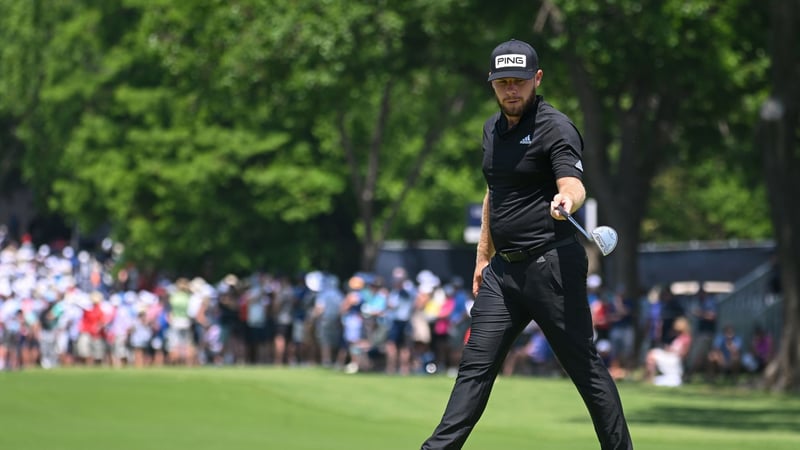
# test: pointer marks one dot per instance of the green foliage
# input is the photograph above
(677, 69)
(710, 201)
(210, 135)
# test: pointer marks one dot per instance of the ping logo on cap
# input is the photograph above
(510, 60)
(513, 59)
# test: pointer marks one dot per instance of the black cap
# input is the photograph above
(513, 59)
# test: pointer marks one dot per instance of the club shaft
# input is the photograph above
(574, 222)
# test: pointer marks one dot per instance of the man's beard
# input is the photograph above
(517, 109)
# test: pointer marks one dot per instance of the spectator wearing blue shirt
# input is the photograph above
(725, 354)
(400, 306)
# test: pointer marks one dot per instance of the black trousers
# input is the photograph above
(551, 289)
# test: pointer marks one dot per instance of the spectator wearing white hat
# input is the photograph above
(285, 302)
(180, 348)
(400, 306)
(198, 312)
(48, 329)
(119, 327)
(327, 312)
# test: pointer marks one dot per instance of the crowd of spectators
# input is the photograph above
(681, 338)
(62, 307)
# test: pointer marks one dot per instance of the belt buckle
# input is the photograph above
(515, 256)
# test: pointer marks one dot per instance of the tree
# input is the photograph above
(300, 134)
(23, 28)
(146, 116)
(652, 82)
(398, 89)
(198, 137)
(778, 137)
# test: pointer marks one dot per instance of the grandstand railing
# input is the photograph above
(752, 303)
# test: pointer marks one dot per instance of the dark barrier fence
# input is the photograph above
(658, 264)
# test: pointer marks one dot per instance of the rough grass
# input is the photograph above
(288, 409)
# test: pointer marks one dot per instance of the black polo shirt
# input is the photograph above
(521, 166)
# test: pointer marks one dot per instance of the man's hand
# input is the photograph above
(560, 200)
(485, 247)
(477, 277)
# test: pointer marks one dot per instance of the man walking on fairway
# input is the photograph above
(529, 264)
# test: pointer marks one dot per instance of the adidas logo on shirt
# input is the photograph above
(526, 140)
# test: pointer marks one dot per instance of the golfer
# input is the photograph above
(529, 263)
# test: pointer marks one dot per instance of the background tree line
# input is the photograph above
(218, 136)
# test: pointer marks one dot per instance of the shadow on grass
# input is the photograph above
(778, 419)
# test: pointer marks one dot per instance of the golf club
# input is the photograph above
(605, 237)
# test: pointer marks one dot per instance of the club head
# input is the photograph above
(605, 238)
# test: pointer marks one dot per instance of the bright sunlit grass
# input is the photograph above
(288, 409)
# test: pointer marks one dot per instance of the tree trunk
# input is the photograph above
(375, 232)
(778, 137)
(369, 254)
(620, 185)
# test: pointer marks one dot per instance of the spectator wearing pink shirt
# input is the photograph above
(664, 366)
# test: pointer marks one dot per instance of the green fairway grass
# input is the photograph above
(310, 409)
